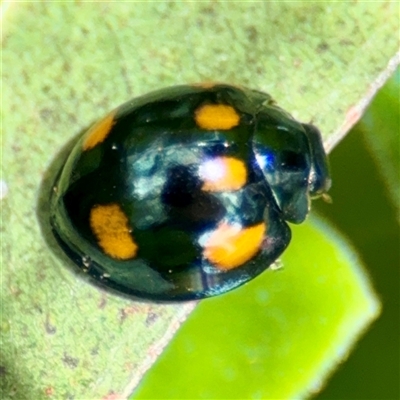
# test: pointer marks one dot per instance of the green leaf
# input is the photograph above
(66, 65)
(362, 209)
(381, 132)
(278, 336)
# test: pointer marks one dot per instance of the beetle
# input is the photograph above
(185, 193)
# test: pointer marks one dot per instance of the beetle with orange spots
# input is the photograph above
(186, 192)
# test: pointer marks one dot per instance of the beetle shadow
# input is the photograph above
(43, 215)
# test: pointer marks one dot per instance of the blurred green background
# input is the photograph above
(365, 171)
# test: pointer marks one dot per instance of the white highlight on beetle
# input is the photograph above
(261, 161)
(223, 241)
(265, 161)
(212, 170)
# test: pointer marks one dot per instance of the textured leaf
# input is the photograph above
(66, 65)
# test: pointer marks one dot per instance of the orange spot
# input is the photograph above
(230, 246)
(98, 132)
(223, 174)
(110, 226)
(216, 116)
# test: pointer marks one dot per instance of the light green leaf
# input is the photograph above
(64, 65)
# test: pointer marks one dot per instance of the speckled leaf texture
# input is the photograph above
(63, 66)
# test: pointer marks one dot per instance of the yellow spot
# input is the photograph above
(223, 174)
(110, 226)
(98, 132)
(230, 246)
(216, 116)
